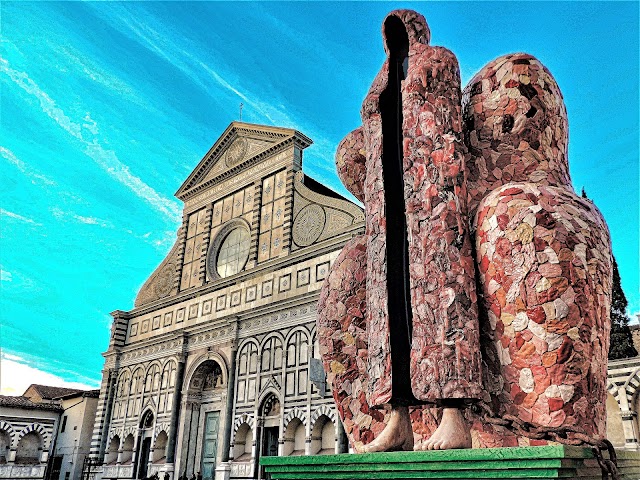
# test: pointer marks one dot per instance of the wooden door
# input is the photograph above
(210, 445)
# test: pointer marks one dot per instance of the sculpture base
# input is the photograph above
(551, 461)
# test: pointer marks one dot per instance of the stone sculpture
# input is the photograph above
(464, 191)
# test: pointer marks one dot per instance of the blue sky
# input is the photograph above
(107, 107)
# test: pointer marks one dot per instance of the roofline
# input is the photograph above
(83, 393)
(302, 138)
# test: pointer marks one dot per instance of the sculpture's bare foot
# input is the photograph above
(453, 432)
(397, 435)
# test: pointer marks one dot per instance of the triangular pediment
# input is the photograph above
(240, 145)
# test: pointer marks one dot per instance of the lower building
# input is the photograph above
(623, 399)
(46, 432)
(74, 435)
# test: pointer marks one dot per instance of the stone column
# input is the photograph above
(259, 444)
(231, 394)
(281, 442)
(182, 457)
(108, 411)
(103, 413)
(628, 420)
(175, 413)
(134, 456)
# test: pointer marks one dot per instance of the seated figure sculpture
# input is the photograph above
(439, 172)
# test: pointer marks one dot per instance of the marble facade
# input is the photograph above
(217, 363)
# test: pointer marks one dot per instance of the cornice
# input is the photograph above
(249, 162)
(300, 255)
(223, 332)
(283, 137)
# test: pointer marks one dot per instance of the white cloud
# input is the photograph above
(86, 133)
(61, 214)
(5, 276)
(24, 168)
(91, 220)
(15, 216)
(184, 55)
(108, 160)
(90, 124)
(17, 373)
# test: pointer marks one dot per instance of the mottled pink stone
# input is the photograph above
(543, 253)
(542, 256)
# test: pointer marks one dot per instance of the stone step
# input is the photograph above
(551, 461)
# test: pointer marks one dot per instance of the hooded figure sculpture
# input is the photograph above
(406, 163)
(399, 322)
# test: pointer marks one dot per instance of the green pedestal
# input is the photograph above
(554, 461)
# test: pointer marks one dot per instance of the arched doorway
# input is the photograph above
(269, 433)
(144, 440)
(202, 420)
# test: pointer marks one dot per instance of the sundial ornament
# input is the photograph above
(308, 225)
(236, 152)
(482, 283)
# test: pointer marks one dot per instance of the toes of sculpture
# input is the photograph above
(397, 435)
(453, 432)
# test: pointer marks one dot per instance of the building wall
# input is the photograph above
(73, 443)
(623, 403)
(26, 430)
(202, 334)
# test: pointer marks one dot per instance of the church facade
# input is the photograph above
(217, 364)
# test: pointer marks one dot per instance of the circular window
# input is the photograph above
(233, 252)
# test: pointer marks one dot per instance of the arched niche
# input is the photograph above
(323, 436)
(5, 445)
(127, 450)
(615, 430)
(160, 448)
(29, 449)
(294, 438)
(243, 443)
(112, 452)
